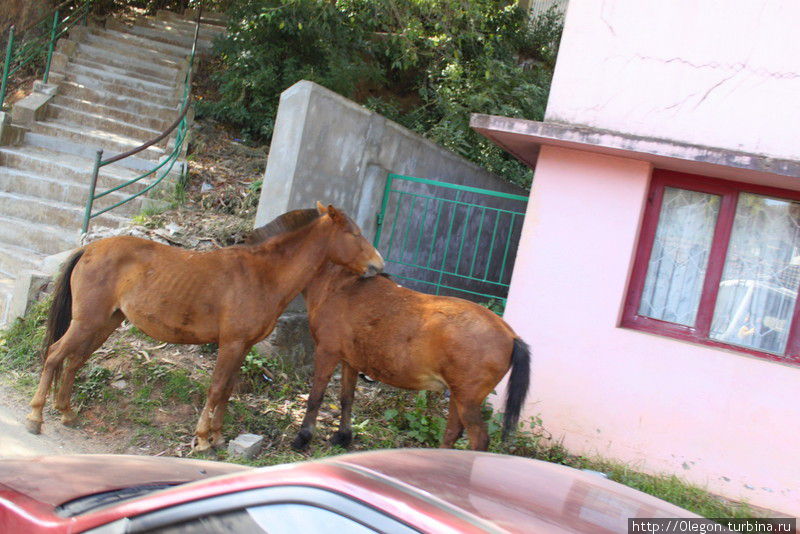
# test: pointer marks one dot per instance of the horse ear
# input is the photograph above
(322, 210)
(334, 214)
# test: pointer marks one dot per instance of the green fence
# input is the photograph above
(35, 45)
(450, 239)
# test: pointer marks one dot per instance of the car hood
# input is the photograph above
(54, 480)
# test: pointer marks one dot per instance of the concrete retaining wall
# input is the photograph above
(328, 148)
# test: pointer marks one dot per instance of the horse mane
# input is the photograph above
(288, 222)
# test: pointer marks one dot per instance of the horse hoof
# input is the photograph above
(218, 441)
(201, 445)
(342, 438)
(34, 427)
(70, 420)
(300, 443)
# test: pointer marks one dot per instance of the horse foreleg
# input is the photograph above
(219, 412)
(324, 365)
(229, 360)
(455, 428)
(344, 435)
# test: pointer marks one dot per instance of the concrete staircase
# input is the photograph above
(113, 87)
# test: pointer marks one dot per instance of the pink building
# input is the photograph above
(657, 275)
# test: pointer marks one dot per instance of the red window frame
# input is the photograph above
(699, 333)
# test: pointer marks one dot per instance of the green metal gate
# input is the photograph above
(450, 239)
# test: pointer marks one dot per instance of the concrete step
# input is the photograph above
(131, 104)
(184, 28)
(108, 141)
(65, 147)
(121, 89)
(127, 34)
(41, 238)
(156, 32)
(59, 214)
(108, 77)
(99, 121)
(67, 168)
(14, 259)
(100, 52)
(127, 44)
(6, 291)
(53, 189)
(101, 65)
(137, 119)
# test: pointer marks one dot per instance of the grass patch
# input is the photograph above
(21, 343)
(156, 408)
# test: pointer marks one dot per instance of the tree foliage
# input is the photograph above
(427, 64)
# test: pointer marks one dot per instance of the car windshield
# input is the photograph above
(88, 503)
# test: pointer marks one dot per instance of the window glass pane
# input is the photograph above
(760, 279)
(284, 518)
(677, 267)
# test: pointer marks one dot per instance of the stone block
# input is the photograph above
(30, 109)
(290, 341)
(246, 445)
(27, 289)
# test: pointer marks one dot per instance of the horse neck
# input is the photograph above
(295, 257)
(323, 284)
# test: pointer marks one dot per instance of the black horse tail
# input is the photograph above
(517, 388)
(60, 313)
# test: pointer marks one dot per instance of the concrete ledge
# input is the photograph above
(33, 107)
(522, 138)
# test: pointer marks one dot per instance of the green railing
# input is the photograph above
(38, 41)
(450, 238)
(165, 166)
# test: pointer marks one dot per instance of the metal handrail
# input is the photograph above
(179, 123)
(30, 50)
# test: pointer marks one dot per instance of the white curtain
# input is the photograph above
(677, 267)
(762, 268)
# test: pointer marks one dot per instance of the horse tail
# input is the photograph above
(517, 388)
(60, 315)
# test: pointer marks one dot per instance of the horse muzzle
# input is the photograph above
(374, 267)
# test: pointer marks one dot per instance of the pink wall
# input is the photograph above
(714, 417)
(723, 73)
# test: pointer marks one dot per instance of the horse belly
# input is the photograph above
(173, 326)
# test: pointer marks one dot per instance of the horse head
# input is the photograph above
(348, 247)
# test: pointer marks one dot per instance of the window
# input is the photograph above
(719, 263)
(281, 518)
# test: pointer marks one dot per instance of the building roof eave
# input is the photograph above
(523, 139)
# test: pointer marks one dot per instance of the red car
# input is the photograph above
(397, 491)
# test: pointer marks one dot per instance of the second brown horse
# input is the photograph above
(231, 296)
(411, 340)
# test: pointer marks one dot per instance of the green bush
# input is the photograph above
(427, 64)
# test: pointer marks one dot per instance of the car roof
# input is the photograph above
(429, 489)
(516, 493)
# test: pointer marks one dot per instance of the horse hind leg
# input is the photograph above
(77, 342)
(74, 363)
(344, 435)
(455, 428)
(469, 411)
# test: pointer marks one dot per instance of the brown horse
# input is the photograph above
(410, 340)
(231, 296)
